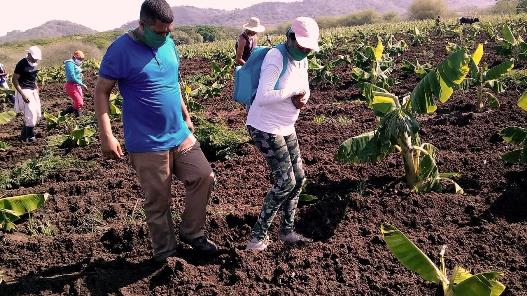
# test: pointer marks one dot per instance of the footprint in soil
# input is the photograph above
(118, 241)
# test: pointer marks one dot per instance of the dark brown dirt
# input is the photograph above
(98, 249)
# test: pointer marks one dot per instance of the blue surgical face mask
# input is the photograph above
(153, 39)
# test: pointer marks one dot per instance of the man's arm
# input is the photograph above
(109, 144)
(239, 51)
(14, 80)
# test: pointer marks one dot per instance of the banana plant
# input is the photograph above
(324, 73)
(6, 117)
(375, 71)
(518, 136)
(115, 104)
(394, 48)
(398, 129)
(188, 95)
(416, 36)
(79, 137)
(416, 69)
(510, 44)
(12, 208)
(486, 80)
(54, 121)
(460, 283)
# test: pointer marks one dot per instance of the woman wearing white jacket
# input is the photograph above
(271, 124)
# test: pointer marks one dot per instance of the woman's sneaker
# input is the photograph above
(293, 238)
(258, 245)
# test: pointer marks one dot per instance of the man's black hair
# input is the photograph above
(152, 10)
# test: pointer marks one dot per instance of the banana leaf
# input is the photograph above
(522, 102)
(508, 35)
(367, 147)
(499, 70)
(440, 83)
(11, 208)
(6, 117)
(410, 255)
(483, 284)
(514, 135)
(378, 51)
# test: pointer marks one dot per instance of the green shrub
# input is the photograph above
(427, 9)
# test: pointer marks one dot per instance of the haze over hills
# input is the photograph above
(274, 13)
(271, 13)
(54, 28)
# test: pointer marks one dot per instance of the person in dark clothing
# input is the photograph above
(27, 100)
(248, 40)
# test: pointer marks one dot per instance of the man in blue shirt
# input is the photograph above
(157, 128)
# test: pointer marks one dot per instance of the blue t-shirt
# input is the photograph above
(148, 82)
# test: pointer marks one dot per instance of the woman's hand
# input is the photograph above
(298, 100)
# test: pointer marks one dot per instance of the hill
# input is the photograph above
(50, 29)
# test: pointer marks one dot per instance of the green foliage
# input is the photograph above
(115, 105)
(416, 69)
(51, 74)
(6, 117)
(427, 9)
(79, 137)
(34, 171)
(460, 283)
(217, 140)
(517, 136)
(12, 208)
(55, 121)
(511, 44)
(440, 83)
(398, 128)
(4, 146)
(486, 80)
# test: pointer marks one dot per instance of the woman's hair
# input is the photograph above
(290, 34)
(152, 10)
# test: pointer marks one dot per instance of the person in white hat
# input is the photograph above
(248, 40)
(27, 100)
(271, 124)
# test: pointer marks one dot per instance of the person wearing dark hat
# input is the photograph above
(27, 99)
(248, 40)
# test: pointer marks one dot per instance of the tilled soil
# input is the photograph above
(100, 243)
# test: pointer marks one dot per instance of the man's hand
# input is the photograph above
(190, 125)
(111, 148)
(298, 100)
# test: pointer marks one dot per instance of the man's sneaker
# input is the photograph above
(258, 245)
(202, 244)
(293, 237)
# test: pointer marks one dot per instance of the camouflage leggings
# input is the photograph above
(283, 157)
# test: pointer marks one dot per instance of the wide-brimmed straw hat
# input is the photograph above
(254, 25)
(306, 32)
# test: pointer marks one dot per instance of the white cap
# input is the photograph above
(254, 25)
(35, 52)
(306, 32)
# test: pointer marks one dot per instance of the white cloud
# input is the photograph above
(99, 15)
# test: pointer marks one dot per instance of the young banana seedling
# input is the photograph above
(518, 136)
(486, 80)
(460, 283)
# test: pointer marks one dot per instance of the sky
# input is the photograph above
(100, 15)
